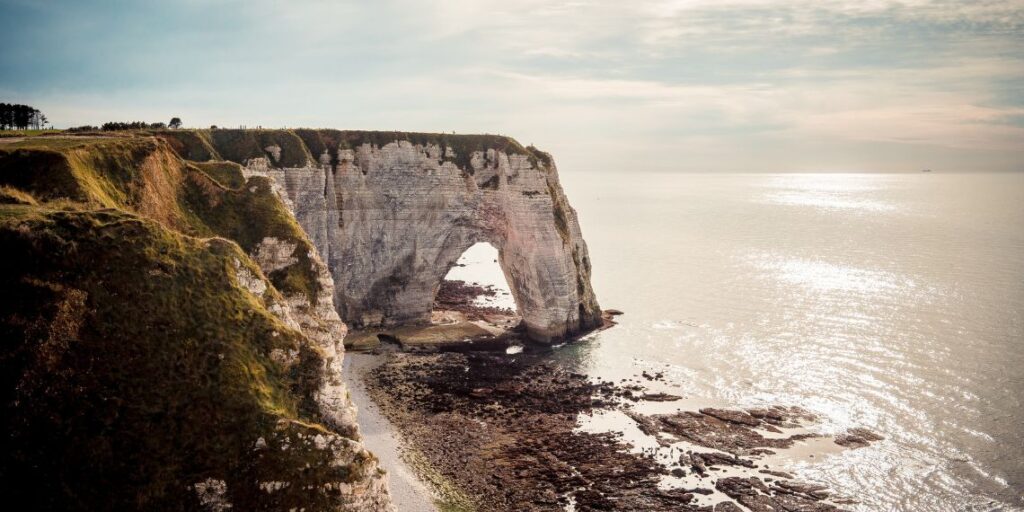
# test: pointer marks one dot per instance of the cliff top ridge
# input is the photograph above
(300, 147)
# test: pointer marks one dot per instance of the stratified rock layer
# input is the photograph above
(391, 213)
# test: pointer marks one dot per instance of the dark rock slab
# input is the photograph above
(857, 438)
(755, 495)
(731, 416)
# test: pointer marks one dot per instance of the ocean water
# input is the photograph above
(888, 301)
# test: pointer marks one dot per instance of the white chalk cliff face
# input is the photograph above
(391, 219)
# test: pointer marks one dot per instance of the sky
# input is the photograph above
(610, 86)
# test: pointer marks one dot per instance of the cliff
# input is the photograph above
(390, 213)
(173, 302)
(170, 339)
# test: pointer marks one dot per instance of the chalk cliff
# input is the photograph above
(391, 213)
(170, 339)
(173, 302)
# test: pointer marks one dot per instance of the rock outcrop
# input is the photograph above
(391, 213)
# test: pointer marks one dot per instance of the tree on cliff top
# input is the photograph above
(175, 122)
(16, 116)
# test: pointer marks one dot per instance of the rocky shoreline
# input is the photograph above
(457, 295)
(504, 433)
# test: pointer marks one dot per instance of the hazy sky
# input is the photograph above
(618, 85)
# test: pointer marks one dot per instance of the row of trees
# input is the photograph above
(131, 125)
(20, 117)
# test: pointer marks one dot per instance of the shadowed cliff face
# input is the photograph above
(169, 339)
(391, 213)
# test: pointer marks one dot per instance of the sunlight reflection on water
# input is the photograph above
(824, 276)
(827, 200)
(827, 191)
(893, 302)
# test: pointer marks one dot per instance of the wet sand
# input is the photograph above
(408, 492)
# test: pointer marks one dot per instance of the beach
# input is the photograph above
(408, 492)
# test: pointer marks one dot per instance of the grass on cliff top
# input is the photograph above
(464, 145)
(132, 363)
(142, 175)
(46, 167)
(190, 144)
(247, 216)
(304, 146)
(240, 145)
(227, 174)
(56, 143)
(299, 147)
(26, 133)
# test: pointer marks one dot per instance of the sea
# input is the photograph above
(888, 301)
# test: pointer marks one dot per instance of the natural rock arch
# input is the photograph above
(406, 216)
(391, 213)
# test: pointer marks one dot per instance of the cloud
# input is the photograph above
(728, 83)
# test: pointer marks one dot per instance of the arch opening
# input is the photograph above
(476, 290)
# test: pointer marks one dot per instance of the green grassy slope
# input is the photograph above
(133, 363)
(142, 175)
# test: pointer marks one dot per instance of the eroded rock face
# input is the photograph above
(390, 221)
